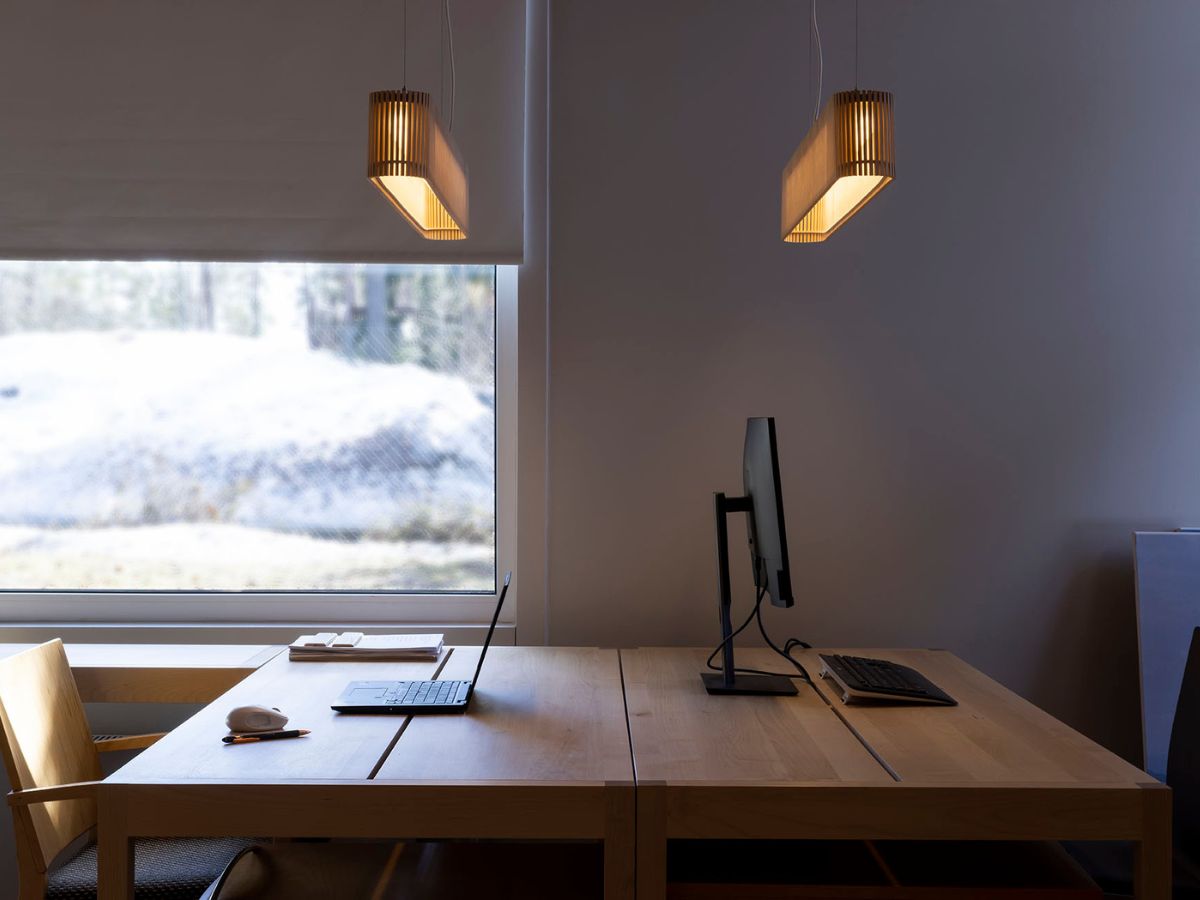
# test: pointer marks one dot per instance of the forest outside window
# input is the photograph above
(256, 427)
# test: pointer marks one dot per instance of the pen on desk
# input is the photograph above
(265, 736)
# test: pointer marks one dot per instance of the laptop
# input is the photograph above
(408, 697)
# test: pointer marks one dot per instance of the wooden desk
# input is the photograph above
(809, 767)
(158, 673)
(543, 753)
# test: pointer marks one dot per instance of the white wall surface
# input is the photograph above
(983, 383)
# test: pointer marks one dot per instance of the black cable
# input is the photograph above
(795, 642)
(754, 614)
(734, 633)
(782, 652)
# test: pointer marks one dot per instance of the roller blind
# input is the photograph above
(236, 129)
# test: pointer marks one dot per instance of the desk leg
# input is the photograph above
(114, 848)
(1153, 863)
(620, 823)
(651, 841)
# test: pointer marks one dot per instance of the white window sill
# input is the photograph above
(242, 633)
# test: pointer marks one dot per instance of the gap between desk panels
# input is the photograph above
(854, 731)
(387, 751)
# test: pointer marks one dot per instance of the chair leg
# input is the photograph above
(31, 879)
(114, 848)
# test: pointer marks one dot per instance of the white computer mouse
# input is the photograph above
(255, 718)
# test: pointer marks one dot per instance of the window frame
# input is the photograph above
(241, 608)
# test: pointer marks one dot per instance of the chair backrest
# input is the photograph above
(1183, 760)
(46, 742)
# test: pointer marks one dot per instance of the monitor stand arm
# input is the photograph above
(728, 681)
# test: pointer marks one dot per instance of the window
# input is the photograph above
(247, 427)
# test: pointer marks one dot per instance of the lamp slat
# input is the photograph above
(846, 158)
(415, 164)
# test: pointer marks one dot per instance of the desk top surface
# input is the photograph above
(541, 714)
(993, 736)
(569, 715)
(681, 734)
(339, 746)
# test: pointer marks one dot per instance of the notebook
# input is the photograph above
(370, 647)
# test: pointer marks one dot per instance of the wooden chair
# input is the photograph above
(54, 767)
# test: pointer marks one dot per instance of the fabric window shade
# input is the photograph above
(238, 130)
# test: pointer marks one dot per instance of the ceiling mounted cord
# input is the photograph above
(809, 87)
(856, 45)
(453, 73)
(442, 59)
(816, 30)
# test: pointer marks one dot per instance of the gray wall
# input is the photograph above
(983, 383)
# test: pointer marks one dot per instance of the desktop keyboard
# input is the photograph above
(422, 693)
(879, 679)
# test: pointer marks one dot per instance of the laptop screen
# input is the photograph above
(492, 630)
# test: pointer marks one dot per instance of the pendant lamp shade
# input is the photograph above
(416, 165)
(847, 157)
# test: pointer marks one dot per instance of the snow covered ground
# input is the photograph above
(166, 459)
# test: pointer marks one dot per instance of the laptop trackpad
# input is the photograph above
(364, 693)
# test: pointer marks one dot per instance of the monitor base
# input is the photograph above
(762, 685)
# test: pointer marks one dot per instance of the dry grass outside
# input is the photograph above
(191, 557)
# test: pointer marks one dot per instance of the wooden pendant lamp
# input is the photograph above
(847, 157)
(415, 164)
(413, 159)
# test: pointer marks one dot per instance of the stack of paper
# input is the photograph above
(353, 645)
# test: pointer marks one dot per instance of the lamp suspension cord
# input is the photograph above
(404, 56)
(856, 45)
(453, 72)
(442, 60)
(816, 29)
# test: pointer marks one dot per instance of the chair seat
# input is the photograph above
(177, 869)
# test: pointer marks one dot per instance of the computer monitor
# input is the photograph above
(763, 505)
(764, 523)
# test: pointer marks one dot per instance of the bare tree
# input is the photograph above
(207, 312)
(375, 340)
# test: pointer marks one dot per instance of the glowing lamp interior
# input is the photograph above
(847, 157)
(415, 199)
(843, 199)
(415, 164)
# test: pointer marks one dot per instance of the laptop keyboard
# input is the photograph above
(422, 693)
